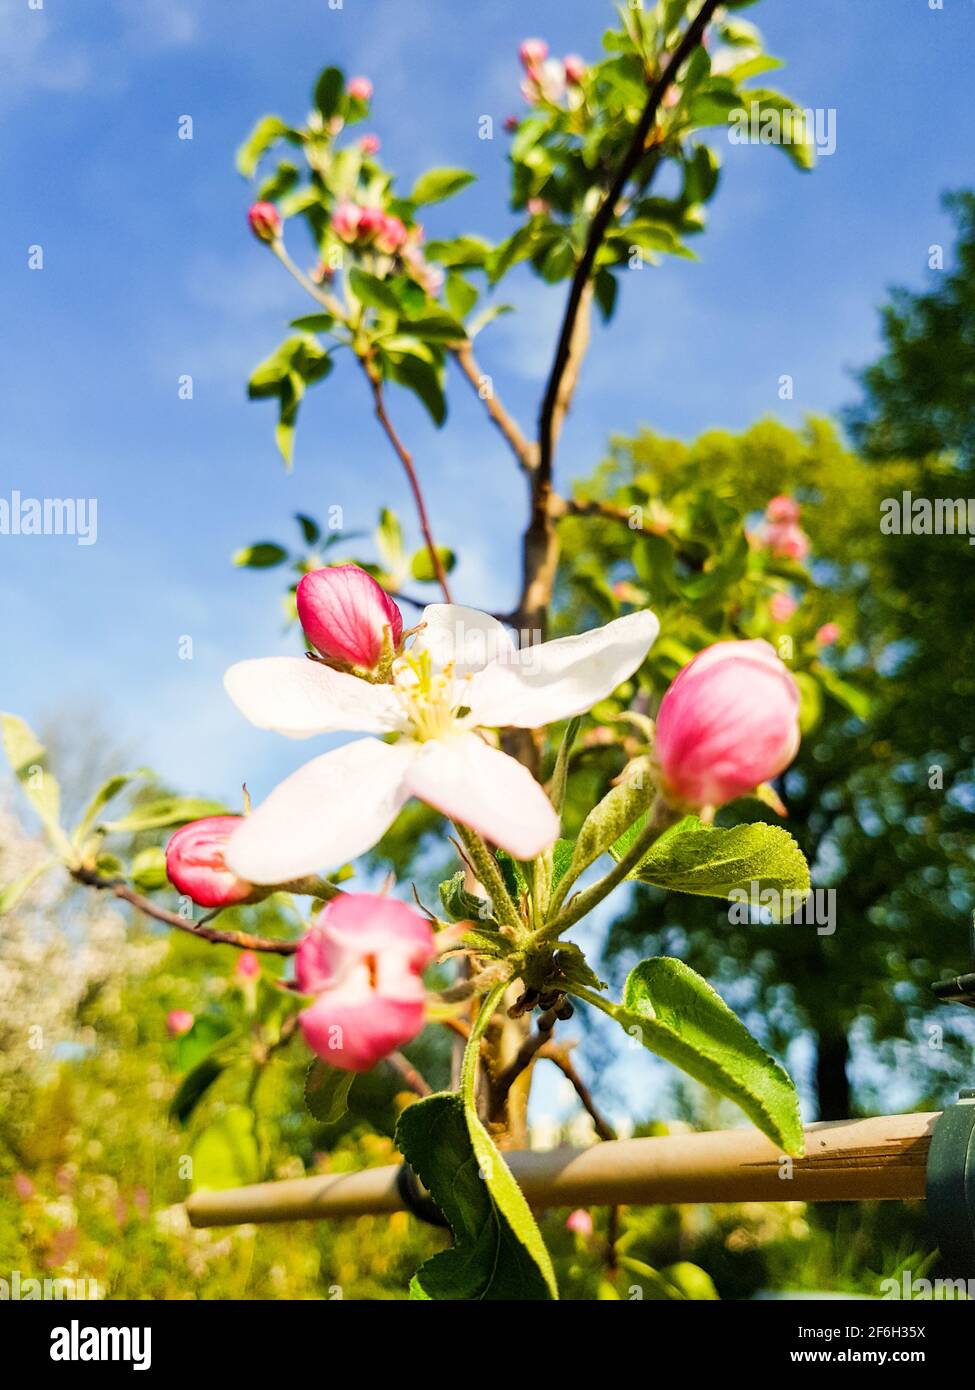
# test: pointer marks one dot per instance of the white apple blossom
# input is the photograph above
(461, 676)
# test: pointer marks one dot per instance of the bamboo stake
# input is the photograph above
(882, 1158)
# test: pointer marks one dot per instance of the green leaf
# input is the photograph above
(424, 381)
(226, 1154)
(461, 295)
(369, 289)
(437, 184)
(676, 1014)
(28, 759)
(314, 323)
(327, 1091)
(310, 530)
(389, 540)
(421, 565)
(711, 861)
(462, 906)
(106, 793)
(858, 702)
(461, 251)
(148, 871)
(267, 132)
(606, 822)
(262, 556)
(560, 772)
(194, 1087)
(562, 852)
(167, 810)
(329, 91)
(11, 893)
(486, 316)
(498, 1253)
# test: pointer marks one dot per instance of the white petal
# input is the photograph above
(555, 680)
(467, 637)
(299, 698)
(487, 790)
(328, 812)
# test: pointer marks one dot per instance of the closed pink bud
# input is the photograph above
(783, 508)
(178, 1022)
(265, 221)
(248, 967)
(363, 960)
(533, 52)
(579, 1222)
(371, 222)
(728, 722)
(360, 88)
(369, 144)
(787, 541)
(575, 68)
(510, 123)
(782, 607)
(348, 617)
(828, 634)
(24, 1186)
(346, 220)
(195, 863)
(390, 235)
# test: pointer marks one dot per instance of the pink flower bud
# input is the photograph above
(533, 52)
(265, 221)
(782, 607)
(510, 123)
(579, 1222)
(729, 721)
(575, 68)
(783, 508)
(828, 634)
(369, 144)
(195, 864)
(178, 1022)
(360, 88)
(390, 235)
(348, 617)
(24, 1186)
(787, 541)
(371, 222)
(248, 967)
(364, 960)
(537, 207)
(346, 220)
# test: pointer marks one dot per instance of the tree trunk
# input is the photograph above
(832, 1082)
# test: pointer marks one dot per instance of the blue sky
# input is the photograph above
(150, 273)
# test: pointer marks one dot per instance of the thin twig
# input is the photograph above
(244, 941)
(566, 1066)
(409, 1074)
(521, 446)
(522, 1059)
(406, 460)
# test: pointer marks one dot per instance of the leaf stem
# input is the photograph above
(489, 872)
(472, 1051)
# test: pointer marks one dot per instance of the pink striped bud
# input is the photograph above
(580, 1223)
(360, 88)
(363, 960)
(346, 220)
(532, 53)
(782, 607)
(728, 722)
(195, 863)
(575, 69)
(787, 541)
(178, 1022)
(349, 618)
(265, 221)
(783, 508)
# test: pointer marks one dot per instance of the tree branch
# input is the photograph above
(521, 446)
(409, 1074)
(540, 546)
(406, 460)
(244, 941)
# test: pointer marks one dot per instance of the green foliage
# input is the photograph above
(497, 1253)
(327, 1091)
(670, 1010)
(694, 858)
